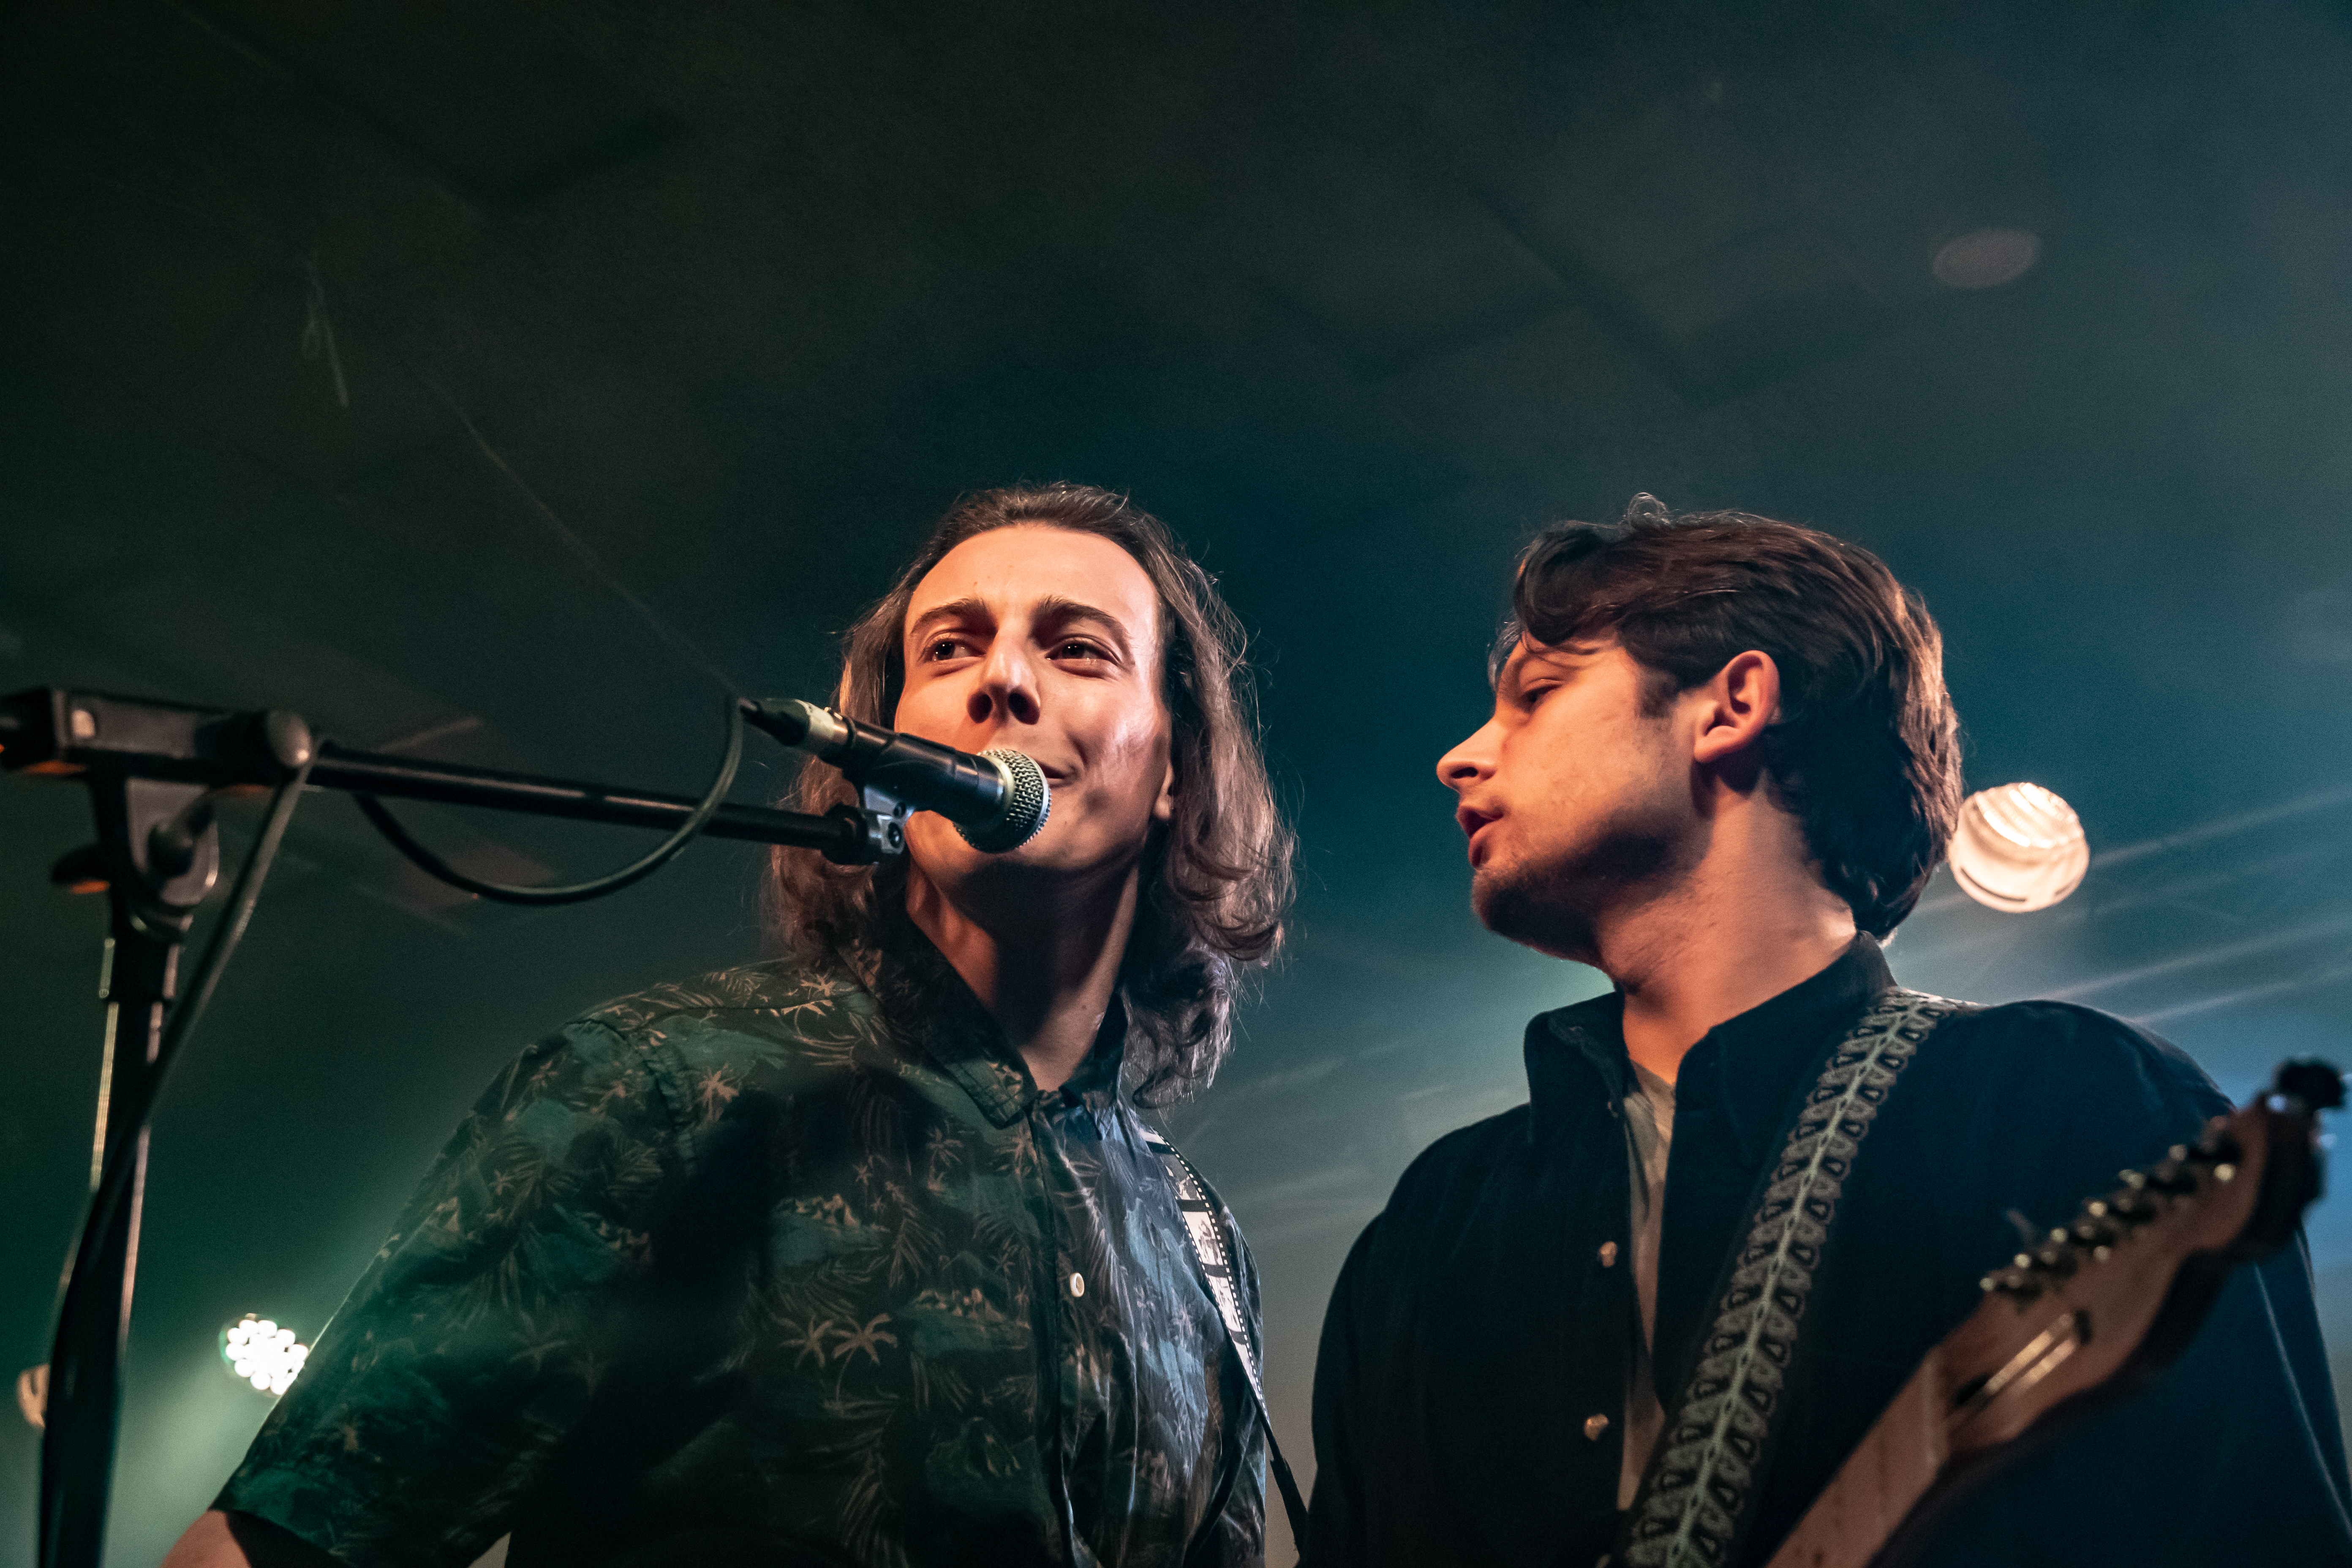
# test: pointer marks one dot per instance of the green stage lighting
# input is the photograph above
(262, 1354)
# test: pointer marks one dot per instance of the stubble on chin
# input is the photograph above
(1558, 904)
(1527, 910)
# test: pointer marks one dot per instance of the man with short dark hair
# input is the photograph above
(1721, 766)
(861, 1257)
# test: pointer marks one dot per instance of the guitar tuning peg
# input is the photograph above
(2315, 1083)
(2055, 1256)
(2093, 1229)
(2218, 1147)
(2169, 1175)
(2019, 1281)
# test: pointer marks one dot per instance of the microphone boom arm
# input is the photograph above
(55, 731)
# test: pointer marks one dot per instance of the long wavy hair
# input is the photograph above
(1216, 878)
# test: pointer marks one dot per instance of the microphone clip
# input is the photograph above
(881, 823)
(879, 817)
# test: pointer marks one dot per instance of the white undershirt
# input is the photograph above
(1648, 1136)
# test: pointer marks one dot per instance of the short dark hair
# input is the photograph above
(1216, 878)
(1865, 751)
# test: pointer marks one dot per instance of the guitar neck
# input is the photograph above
(2081, 1321)
(1881, 1483)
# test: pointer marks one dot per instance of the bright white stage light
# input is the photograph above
(2018, 848)
(262, 1354)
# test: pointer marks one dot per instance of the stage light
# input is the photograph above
(2018, 848)
(1987, 259)
(262, 1354)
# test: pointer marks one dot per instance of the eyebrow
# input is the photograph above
(1059, 608)
(1566, 659)
(1052, 607)
(1510, 681)
(963, 609)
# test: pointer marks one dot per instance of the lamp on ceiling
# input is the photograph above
(2018, 848)
(1987, 258)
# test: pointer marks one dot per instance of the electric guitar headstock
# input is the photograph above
(2077, 1321)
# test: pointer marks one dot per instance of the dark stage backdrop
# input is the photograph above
(475, 378)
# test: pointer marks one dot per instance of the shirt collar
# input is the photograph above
(1752, 1065)
(935, 1014)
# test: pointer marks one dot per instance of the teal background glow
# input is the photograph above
(438, 372)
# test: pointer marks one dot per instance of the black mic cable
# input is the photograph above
(998, 799)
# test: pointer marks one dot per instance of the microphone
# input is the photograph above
(998, 800)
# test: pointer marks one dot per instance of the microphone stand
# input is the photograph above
(153, 770)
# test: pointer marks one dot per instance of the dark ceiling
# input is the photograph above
(498, 379)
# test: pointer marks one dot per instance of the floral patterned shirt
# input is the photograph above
(763, 1271)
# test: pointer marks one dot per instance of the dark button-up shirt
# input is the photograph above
(757, 1270)
(1478, 1333)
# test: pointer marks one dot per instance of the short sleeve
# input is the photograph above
(474, 1339)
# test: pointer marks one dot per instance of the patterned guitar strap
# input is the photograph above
(1213, 1255)
(1698, 1494)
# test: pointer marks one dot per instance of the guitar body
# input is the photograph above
(2095, 1311)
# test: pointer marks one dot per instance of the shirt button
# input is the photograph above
(1608, 1255)
(1077, 1284)
(1593, 1427)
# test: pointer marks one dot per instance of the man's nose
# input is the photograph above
(1006, 689)
(1467, 764)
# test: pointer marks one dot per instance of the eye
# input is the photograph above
(1077, 648)
(939, 649)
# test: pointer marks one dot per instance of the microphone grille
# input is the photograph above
(1027, 803)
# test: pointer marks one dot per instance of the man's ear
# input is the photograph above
(1164, 809)
(1739, 704)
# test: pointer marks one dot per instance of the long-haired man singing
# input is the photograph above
(861, 1257)
(1722, 765)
